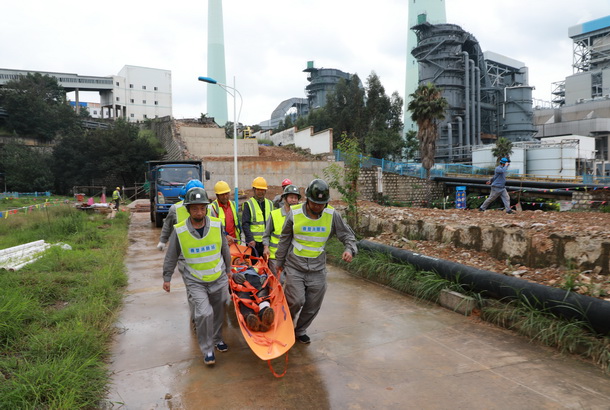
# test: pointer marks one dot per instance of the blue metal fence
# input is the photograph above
(22, 194)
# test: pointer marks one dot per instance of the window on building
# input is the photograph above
(156, 102)
(117, 83)
(130, 85)
(117, 98)
(131, 101)
(145, 116)
(143, 101)
(156, 88)
(144, 87)
(132, 115)
(596, 85)
(94, 112)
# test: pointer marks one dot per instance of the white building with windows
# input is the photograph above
(135, 93)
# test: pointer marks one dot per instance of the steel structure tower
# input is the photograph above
(591, 45)
(216, 97)
(420, 11)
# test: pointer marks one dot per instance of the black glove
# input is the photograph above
(239, 277)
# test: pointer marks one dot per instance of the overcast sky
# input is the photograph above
(268, 43)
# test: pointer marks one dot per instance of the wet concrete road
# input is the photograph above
(371, 348)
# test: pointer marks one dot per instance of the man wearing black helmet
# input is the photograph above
(300, 253)
(200, 242)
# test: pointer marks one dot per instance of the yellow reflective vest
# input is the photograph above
(181, 212)
(221, 215)
(257, 221)
(203, 257)
(310, 235)
(115, 195)
(278, 224)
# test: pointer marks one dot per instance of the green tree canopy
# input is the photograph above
(119, 151)
(503, 149)
(37, 107)
(26, 169)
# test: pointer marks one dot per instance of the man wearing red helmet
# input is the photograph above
(277, 201)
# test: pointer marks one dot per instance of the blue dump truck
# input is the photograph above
(166, 179)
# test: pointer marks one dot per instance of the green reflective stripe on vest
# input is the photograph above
(221, 215)
(181, 212)
(203, 258)
(278, 224)
(310, 235)
(257, 222)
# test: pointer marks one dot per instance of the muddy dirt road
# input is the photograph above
(371, 348)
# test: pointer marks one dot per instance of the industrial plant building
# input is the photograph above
(135, 93)
(582, 101)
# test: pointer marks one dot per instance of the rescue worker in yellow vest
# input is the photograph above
(256, 211)
(291, 196)
(300, 253)
(177, 213)
(224, 209)
(199, 240)
(116, 197)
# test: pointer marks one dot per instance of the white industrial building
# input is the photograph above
(135, 93)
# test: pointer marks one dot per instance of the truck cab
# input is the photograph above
(166, 179)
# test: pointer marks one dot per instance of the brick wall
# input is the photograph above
(398, 188)
(590, 199)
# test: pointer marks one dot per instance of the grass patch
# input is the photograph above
(520, 315)
(56, 314)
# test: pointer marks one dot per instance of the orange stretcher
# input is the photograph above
(280, 336)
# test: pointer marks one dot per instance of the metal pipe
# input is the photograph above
(460, 135)
(478, 133)
(466, 94)
(450, 141)
(472, 111)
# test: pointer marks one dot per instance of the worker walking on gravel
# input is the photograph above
(498, 187)
(200, 241)
(226, 210)
(273, 230)
(301, 253)
(177, 213)
(256, 211)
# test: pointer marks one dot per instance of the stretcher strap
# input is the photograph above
(285, 368)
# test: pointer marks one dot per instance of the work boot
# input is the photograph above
(481, 210)
(253, 322)
(509, 212)
(267, 316)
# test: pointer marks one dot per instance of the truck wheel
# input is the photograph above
(152, 216)
(158, 220)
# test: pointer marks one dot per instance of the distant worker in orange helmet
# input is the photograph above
(256, 211)
(278, 200)
(226, 210)
(116, 197)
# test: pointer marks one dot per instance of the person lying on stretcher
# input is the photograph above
(253, 293)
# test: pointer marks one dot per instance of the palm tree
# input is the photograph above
(427, 107)
(503, 149)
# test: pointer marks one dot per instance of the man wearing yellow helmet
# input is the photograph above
(255, 213)
(225, 210)
(116, 197)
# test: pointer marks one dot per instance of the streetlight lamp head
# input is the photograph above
(208, 80)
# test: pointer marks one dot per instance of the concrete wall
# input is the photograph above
(399, 188)
(300, 172)
(211, 142)
(317, 143)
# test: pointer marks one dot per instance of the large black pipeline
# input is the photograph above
(563, 303)
(515, 182)
(546, 191)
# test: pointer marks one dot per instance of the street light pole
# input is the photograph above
(235, 119)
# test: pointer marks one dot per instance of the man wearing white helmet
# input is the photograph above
(199, 240)
(301, 253)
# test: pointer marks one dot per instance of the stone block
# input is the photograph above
(457, 302)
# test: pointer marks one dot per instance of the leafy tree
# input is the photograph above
(345, 179)
(427, 107)
(118, 152)
(37, 107)
(26, 169)
(411, 144)
(503, 149)
(345, 109)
